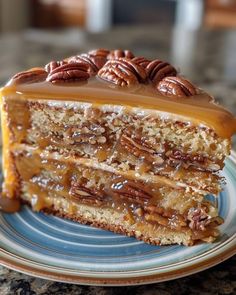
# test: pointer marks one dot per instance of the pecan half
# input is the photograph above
(142, 61)
(118, 53)
(122, 72)
(99, 52)
(52, 65)
(32, 76)
(130, 190)
(157, 70)
(69, 73)
(94, 62)
(138, 147)
(176, 86)
(79, 192)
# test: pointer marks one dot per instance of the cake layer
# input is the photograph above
(187, 181)
(150, 144)
(157, 132)
(197, 110)
(118, 222)
(50, 170)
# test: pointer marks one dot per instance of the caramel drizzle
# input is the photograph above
(198, 109)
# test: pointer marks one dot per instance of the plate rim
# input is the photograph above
(23, 265)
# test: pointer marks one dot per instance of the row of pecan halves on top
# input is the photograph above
(121, 68)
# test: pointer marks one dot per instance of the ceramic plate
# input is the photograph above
(57, 249)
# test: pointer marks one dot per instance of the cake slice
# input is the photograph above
(116, 141)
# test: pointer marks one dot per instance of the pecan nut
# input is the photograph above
(198, 218)
(156, 218)
(176, 86)
(118, 53)
(165, 216)
(122, 72)
(94, 62)
(138, 146)
(79, 192)
(178, 155)
(32, 76)
(142, 61)
(92, 134)
(69, 73)
(99, 52)
(130, 190)
(52, 65)
(157, 70)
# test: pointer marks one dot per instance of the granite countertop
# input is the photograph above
(205, 57)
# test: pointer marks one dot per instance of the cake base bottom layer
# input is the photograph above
(112, 220)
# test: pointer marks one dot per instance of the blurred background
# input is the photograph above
(99, 15)
(197, 36)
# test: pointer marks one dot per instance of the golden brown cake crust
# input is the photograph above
(118, 229)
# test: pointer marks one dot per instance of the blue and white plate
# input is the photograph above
(62, 250)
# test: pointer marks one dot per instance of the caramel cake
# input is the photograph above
(116, 141)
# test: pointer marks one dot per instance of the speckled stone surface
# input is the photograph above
(205, 57)
(217, 280)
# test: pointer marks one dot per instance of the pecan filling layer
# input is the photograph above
(137, 201)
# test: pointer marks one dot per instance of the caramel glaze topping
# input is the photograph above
(117, 77)
(196, 109)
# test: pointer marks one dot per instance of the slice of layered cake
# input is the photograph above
(116, 141)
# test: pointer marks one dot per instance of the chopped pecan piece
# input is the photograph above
(199, 219)
(176, 86)
(139, 212)
(117, 53)
(32, 76)
(156, 218)
(122, 72)
(154, 214)
(154, 209)
(130, 190)
(81, 193)
(157, 70)
(69, 72)
(178, 155)
(88, 134)
(94, 62)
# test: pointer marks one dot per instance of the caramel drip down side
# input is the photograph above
(11, 182)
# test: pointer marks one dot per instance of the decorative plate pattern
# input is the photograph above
(62, 250)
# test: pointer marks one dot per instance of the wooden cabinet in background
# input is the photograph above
(220, 13)
(58, 13)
